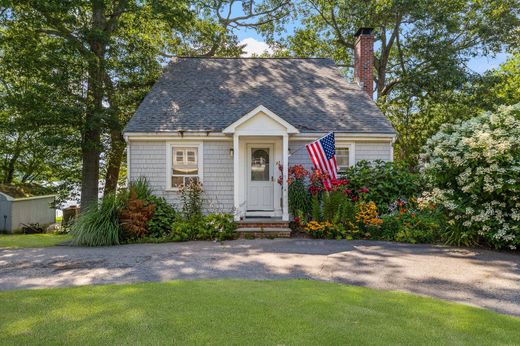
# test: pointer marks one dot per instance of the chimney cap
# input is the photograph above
(364, 31)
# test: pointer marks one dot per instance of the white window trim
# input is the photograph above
(169, 161)
(351, 151)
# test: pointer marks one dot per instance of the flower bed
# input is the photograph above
(347, 210)
(137, 215)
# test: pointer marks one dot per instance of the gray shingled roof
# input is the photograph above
(208, 94)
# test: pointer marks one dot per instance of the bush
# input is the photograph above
(408, 224)
(473, 173)
(135, 215)
(184, 230)
(386, 181)
(164, 216)
(299, 198)
(218, 227)
(99, 224)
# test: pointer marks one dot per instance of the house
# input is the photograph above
(230, 122)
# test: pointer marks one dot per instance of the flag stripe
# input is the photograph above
(326, 163)
(311, 154)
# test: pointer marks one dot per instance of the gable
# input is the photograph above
(260, 121)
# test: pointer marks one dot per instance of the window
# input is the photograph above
(184, 165)
(342, 157)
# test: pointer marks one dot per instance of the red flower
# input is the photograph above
(314, 190)
(354, 198)
(348, 191)
(363, 190)
(342, 182)
(297, 220)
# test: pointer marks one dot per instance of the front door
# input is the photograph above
(260, 182)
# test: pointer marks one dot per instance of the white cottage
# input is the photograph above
(231, 121)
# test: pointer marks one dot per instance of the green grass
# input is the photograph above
(227, 312)
(32, 240)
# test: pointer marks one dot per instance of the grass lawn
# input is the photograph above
(226, 312)
(32, 240)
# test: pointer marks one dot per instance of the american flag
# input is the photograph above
(323, 156)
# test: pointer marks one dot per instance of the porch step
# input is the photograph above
(263, 223)
(264, 232)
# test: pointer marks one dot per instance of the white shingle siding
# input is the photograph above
(299, 155)
(148, 159)
(218, 176)
(371, 151)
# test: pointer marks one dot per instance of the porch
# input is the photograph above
(260, 148)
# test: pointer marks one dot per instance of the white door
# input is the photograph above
(260, 182)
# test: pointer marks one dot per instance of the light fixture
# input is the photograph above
(231, 152)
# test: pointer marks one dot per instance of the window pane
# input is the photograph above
(179, 156)
(177, 181)
(188, 179)
(260, 164)
(191, 156)
(342, 157)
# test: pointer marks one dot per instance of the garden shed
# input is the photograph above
(17, 209)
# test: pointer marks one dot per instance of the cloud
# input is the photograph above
(255, 47)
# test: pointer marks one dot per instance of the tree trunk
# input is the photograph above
(91, 139)
(115, 158)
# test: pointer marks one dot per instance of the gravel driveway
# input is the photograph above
(477, 277)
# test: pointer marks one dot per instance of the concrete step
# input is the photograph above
(264, 232)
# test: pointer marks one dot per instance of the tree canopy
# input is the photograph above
(73, 72)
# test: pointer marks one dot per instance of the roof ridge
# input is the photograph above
(248, 57)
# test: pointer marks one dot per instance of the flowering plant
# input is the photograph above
(473, 172)
(367, 215)
(296, 173)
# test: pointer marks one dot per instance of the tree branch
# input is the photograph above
(114, 17)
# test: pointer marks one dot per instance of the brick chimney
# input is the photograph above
(364, 60)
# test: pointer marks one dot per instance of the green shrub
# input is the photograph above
(184, 230)
(161, 222)
(299, 198)
(345, 212)
(316, 214)
(385, 181)
(141, 188)
(331, 203)
(409, 224)
(218, 227)
(99, 224)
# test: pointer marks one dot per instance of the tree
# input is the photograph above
(38, 142)
(91, 32)
(119, 48)
(422, 47)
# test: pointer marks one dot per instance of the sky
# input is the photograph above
(256, 45)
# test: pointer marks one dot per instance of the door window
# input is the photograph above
(260, 164)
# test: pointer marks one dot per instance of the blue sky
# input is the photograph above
(480, 64)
